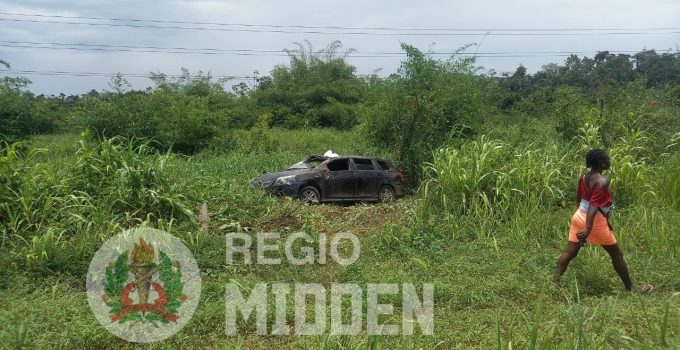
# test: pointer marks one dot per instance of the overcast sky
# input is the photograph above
(19, 34)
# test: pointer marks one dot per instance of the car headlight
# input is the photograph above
(261, 183)
(285, 180)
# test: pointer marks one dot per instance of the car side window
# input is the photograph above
(363, 164)
(384, 164)
(338, 164)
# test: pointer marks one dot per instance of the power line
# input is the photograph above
(135, 50)
(480, 33)
(252, 52)
(143, 47)
(336, 27)
(110, 75)
(280, 51)
(281, 55)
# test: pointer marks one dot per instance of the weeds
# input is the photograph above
(485, 227)
(127, 177)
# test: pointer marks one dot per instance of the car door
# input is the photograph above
(368, 178)
(341, 181)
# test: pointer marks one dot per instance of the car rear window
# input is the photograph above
(363, 164)
(339, 164)
(384, 164)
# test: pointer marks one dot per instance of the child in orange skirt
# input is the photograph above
(590, 223)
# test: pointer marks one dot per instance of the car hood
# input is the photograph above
(268, 178)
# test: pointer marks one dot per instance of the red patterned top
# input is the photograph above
(597, 196)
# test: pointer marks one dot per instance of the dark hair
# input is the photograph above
(594, 157)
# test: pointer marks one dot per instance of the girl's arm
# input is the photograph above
(590, 217)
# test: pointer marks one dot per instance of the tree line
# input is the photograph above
(426, 103)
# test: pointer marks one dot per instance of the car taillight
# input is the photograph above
(401, 176)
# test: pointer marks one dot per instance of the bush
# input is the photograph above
(257, 139)
(182, 122)
(316, 89)
(571, 111)
(420, 109)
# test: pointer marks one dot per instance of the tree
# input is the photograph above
(17, 112)
(119, 84)
(316, 89)
(658, 69)
(424, 106)
(199, 84)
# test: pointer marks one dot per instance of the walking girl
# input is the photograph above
(590, 223)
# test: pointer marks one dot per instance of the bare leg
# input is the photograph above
(569, 253)
(619, 264)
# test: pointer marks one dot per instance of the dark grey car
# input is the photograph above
(346, 178)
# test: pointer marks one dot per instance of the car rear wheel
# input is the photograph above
(386, 194)
(310, 194)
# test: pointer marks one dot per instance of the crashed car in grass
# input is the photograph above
(336, 178)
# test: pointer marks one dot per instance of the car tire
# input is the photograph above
(386, 194)
(310, 194)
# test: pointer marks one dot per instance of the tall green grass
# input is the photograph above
(486, 183)
(490, 258)
(484, 188)
(107, 185)
(127, 176)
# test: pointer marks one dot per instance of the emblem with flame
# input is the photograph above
(143, 287)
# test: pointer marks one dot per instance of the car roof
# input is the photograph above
(347, 157)
(377, 159)
(316, 157)
(351, 156)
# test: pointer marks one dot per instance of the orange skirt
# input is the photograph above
(599, 235)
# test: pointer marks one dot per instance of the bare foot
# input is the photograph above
(555, 283)
(643, 288)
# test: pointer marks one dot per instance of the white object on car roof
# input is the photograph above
(330, 154)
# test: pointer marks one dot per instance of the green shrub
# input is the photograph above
(127, 177)
(571, 111)
(21, 114)
(183, 123)
(258, 139)
(419, 110)
(316, 89)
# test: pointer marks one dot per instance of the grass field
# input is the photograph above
(486, 236)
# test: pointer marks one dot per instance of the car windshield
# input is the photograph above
(305, 164)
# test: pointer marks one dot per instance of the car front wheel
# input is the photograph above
(310, 194)
(386, 194)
